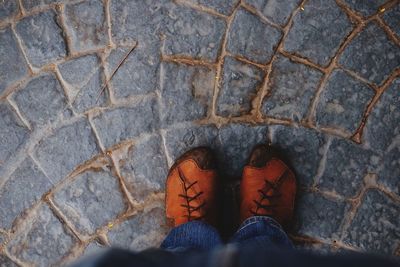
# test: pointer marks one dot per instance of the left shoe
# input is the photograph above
(192, 187)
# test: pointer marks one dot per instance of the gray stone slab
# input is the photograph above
(6, 262)
(336, 109)
(376, 226)
(43, 241)
(145, 230)
(291, 88)
(10, 52)
(86, 78)
(28, 4)
(224, 7)
(178, 141)
(382, 133)
(137, 20)
(22, 189)
(91, 200)
(252, 38)
(277, 11)
(124, 123)
(8, 8)
(188, 95)
(240, 85)
(13, 134)
(42, 38)
(236, 141)
(87, 25)
(318, 217)
(78, 71)
(382, 128)
(371, 54)
(318, 31)
(193, 34)
(392, 18)
(41, 100)
(389, 173)
(302, 149)
(346, 165)
(139, 74)
(365, 8)
(66, 148)
(145, 168)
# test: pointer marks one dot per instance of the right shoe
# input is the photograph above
(268, 187)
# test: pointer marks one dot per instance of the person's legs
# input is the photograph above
(194, 235)
(261, 231)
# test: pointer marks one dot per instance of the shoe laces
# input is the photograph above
(268, 208)
(189, 199)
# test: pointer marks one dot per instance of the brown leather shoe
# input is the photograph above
(191, 188)
(268, 186)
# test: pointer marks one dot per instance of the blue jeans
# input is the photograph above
(261, 231)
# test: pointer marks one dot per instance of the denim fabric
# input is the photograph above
(192, 235)
(259, 230)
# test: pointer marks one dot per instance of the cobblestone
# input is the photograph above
(392, 18)
(382, 128)
(91, 200)
(66, 148)
(125, 123)
(251, 38)
(19, 193)
(376, 225)
(275, 10)
(150, 229)
(303, 148)
(42, 38)
(139, 74)
(193, 34)
(13, 134)
(371, 54)
(346, 166)
(319, 217)
(365, 8)
(137, 20)
(233, 150)
(9, 52)
(336, 109)
(145, 168)
(188, 73)
(386, 118)
(28, 4)
(188, 95)
(86, 79)
(41, 100)
(8, 8)
(221, 6)
(43, 241)
(320, 20)
(239, 87)
(180, 140)
(291, 88)
(6, 262)
(87, 24)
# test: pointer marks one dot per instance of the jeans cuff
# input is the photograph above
(255, 219)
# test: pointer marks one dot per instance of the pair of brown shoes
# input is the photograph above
(268, 187)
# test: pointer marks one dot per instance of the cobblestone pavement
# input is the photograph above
(98, 97)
